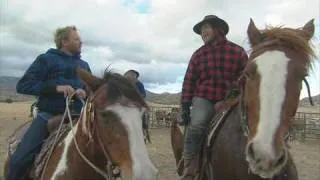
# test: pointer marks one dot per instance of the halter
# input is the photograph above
(243, 107)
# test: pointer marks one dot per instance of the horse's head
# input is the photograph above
(279, 62)
(116, 122)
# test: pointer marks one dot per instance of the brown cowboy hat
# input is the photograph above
(134, 71)
(215, 21)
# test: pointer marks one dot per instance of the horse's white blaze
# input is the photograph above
(272, 67)
(142, 167)
(62, 165)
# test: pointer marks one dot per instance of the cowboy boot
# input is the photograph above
(189, 171)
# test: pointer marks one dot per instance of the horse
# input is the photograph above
(106, 142)
(248, 139)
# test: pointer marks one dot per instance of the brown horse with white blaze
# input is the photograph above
(250, 140)
(108, 132)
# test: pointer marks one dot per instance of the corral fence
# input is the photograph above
(304, 125)
(162, 116)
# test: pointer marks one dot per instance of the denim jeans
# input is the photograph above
(29, 147)
(201, 113)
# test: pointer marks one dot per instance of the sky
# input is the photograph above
(154, 37)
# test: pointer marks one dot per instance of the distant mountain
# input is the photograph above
(164, 98)
(305, 101)
(8, 90)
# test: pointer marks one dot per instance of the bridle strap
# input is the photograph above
(97, 169)
(308, 89)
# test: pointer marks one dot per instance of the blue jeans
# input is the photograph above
(201, 113)
(29, 147)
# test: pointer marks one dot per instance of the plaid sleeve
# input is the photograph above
(189, 83)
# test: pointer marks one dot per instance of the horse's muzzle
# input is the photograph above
(264, 164)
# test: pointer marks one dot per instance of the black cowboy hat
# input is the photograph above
(215, 21)
(134, 71)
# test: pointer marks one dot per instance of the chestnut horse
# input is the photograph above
(108, 134)
(250, 141)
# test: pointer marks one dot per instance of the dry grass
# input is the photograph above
(306, 155)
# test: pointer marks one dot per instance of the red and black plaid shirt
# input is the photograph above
(213, 70)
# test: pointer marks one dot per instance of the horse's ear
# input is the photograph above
(308, 29)
(253, 33)
(89, 80)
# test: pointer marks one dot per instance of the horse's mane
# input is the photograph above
(291, 38)
(118, 87)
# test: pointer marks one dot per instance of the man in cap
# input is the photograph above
(133, 76)
(213, 71)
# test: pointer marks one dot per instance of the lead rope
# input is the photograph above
(67, 112)
(101, 172)
(55, 139)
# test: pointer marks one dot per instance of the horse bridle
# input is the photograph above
(242, 81)
(244, 110)
(112, 170)
(88, 110)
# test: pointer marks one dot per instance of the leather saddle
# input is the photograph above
(54, 122)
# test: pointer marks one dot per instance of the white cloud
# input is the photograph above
(158, 43)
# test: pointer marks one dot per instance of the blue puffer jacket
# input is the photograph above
(141, 89)
(45, 73)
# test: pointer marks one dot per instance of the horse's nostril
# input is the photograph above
(250, 150)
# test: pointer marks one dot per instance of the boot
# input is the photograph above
(189, 171)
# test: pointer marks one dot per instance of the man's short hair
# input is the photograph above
(62, 34)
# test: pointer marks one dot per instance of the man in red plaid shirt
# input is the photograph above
(212, 72)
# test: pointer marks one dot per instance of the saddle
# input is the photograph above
(212, 132)
(54, 135)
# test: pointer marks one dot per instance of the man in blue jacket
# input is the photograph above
(51, 77)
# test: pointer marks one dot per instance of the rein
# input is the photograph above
(88, 112)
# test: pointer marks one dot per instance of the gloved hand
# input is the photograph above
(185, 114)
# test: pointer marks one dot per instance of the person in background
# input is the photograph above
(51, 77)
(133, 76)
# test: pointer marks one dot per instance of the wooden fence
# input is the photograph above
(304, 126)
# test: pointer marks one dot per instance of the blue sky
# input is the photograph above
(154, 37)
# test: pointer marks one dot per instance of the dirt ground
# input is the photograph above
(306, 155)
